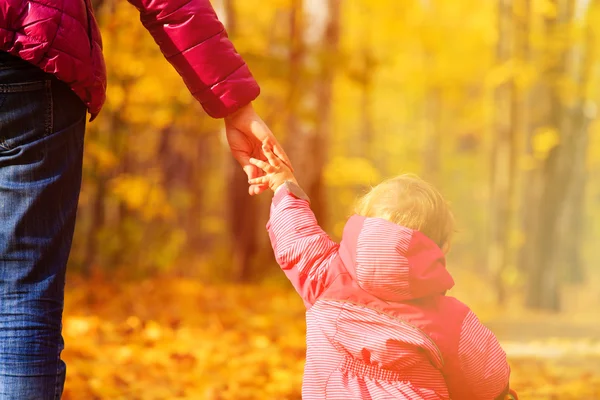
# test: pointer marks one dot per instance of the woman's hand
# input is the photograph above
(276, 171)
(245, 131)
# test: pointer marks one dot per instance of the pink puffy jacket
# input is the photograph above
(379, 325)
(62, 38)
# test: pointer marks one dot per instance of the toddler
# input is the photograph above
(379, 325)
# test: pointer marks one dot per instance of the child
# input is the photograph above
(379, 325)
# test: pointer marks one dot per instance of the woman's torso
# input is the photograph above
(61, 38)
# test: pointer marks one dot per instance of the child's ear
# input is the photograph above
(446, 248)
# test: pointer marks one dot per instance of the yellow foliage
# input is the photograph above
(170, 247)
(214, 225)
(511, 276)
(115, 95)
(527, 162)
(104, 158)
(516, 238)
(543, 141)
(169, 338)
(501, 74)
(350, 171)
(545, 8)
(143, 195)
(414, 90)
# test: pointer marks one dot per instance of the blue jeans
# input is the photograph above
(42, 125)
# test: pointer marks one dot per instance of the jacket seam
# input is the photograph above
(302, 272)
(394, 318)
(58, 28)
(207, 88)
(61, 51)
(345, 272)
(329, 377)
(163, 17)
(196, 45)
(41, 40)
(55, 8)
(333, 280)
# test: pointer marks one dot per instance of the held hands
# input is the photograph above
(245, 132)
(276, 171)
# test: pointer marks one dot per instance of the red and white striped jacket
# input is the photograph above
(379, 325)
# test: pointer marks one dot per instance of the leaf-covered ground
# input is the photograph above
(177, 339)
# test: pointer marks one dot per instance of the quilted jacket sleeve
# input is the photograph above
(194, 41)
(302, 249)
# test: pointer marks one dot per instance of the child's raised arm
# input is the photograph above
(302, 249)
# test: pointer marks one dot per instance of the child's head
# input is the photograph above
(409, 201)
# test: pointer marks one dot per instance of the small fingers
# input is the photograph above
(280, 153)
(251, 170)
(268, 168)
(263, 180)
(257, 189)
(272, 145)
(271, 157)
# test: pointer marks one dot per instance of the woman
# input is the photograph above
(51, 74)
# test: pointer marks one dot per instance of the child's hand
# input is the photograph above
(276, 171)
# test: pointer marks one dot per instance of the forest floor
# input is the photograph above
(178, 339)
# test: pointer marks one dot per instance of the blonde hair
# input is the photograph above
(409, 201)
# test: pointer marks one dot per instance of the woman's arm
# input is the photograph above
(194, 41)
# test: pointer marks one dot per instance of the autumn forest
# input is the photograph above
(173, 290)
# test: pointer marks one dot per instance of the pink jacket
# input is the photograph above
(379, 325)
(62, 38)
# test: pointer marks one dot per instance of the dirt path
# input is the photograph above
(528, 330)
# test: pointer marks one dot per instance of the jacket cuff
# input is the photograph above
(289, 188)
(234, 92)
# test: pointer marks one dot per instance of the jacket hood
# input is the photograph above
(392, 262)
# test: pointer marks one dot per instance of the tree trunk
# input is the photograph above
(573, 225)
(96, 221)
(241, 207)
(115, 217)
(98, 211)
(295, 134)
(526, 122)
(580, 65)
(364, 76)
(308, 137)
(503, 156)
(557, 175)
(432, 154)
(242, 212)
(319, 142)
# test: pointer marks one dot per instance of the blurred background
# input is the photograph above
(173, 290)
